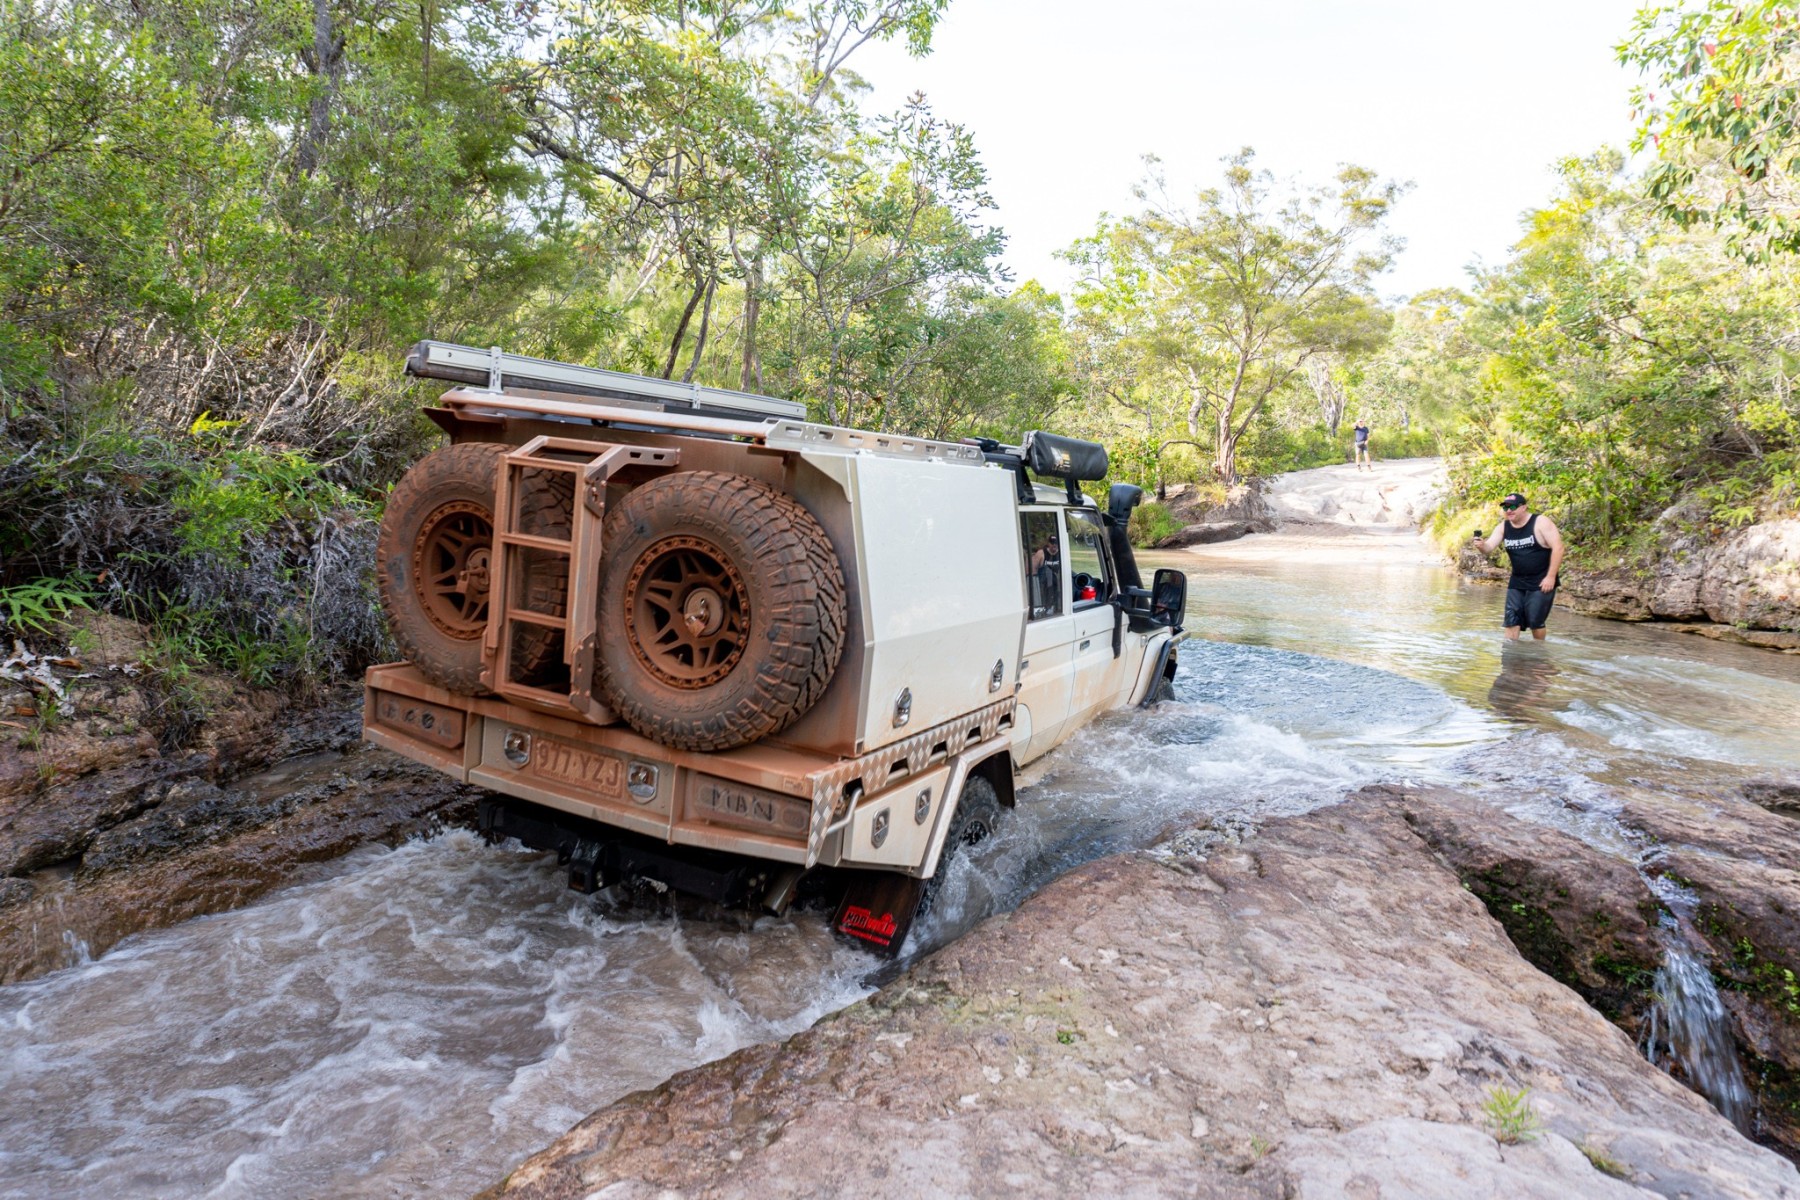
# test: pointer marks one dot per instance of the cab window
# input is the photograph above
(1042, 539)
(1091, 583)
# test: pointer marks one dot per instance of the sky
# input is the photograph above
(1473, 103)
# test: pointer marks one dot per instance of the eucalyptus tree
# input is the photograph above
(1249, 281)
(893, 225)
(1130, 400)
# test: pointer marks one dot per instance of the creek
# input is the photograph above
(418, 1019)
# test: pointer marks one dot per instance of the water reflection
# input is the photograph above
(1522, 688)
(1666, 702)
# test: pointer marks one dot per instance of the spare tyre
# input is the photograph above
(721, 610)
(434, 561)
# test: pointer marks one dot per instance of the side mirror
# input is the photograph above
(1168, 597)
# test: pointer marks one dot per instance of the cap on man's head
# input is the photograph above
(1512, 500)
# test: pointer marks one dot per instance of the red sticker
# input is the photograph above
(860, 922)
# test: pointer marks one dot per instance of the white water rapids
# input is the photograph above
(417, 1020)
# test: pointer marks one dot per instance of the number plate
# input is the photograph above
(750, 809)
(599, 773)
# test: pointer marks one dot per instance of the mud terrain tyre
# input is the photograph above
(977, 818)
(721, 610)
(434, 560)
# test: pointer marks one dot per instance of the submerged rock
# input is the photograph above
(1321, 1011)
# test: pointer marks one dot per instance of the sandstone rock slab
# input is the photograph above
(1321, 1011)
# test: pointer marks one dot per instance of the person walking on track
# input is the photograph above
(1535, 546)
(1362, 445)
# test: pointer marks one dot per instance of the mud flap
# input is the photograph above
(878, 909)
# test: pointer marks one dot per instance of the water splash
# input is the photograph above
(1687, 1032)
(76, 952)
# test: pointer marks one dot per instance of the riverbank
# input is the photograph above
(1318, 1009)
(108, 827)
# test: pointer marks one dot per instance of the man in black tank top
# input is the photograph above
(1535, 546)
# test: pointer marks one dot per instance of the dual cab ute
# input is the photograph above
(683, 634)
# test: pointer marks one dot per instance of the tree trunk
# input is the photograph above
(700, 338)
(325, 60)
(1225, 456)
(751, 376)
(427, 18)
(687, 314)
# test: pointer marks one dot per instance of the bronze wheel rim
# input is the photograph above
(687, 612)
(452, 564)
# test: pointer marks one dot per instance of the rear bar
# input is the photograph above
(400, 702)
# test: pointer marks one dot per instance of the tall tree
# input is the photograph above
(1250, 281)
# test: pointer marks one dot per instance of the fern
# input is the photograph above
(37, 606)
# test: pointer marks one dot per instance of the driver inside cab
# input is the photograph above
(1046, 567)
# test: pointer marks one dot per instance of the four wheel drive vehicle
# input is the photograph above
(683, 634)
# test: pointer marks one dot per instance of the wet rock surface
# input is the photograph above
(118, 837)
(1741, 863)
(103, 768)
(1586, 918)
(1321, 1010)
(220, 848)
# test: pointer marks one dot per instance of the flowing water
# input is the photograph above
(1685, 1030)
(417, 1020)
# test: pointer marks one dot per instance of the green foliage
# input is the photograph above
(221, 223)
(1151, 522)
(1273, 449)
(38, 606)
(1720, 108)
(1192, 320)
(1509, 1115)
(233, 496)
(1621, 365)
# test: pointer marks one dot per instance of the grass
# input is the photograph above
(1603, 1162)
(1509, 1116)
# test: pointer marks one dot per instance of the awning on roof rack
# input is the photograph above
(499, 371)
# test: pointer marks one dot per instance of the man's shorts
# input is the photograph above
(1527, 607)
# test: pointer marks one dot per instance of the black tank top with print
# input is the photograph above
(1530, 557)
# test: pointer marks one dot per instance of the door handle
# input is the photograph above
(1086, 642)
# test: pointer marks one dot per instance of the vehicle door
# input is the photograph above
(1046, 653)
(1099, 678)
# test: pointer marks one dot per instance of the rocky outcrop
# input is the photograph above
(1583, 917)
(1320, 1011)
(1203, 522)
(1740, 862)
(107, 829)
(1395, 494)
(203, 849)
(103, 769)
(1205, 533)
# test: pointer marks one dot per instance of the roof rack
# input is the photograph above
(769, 431)
(497, 371)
